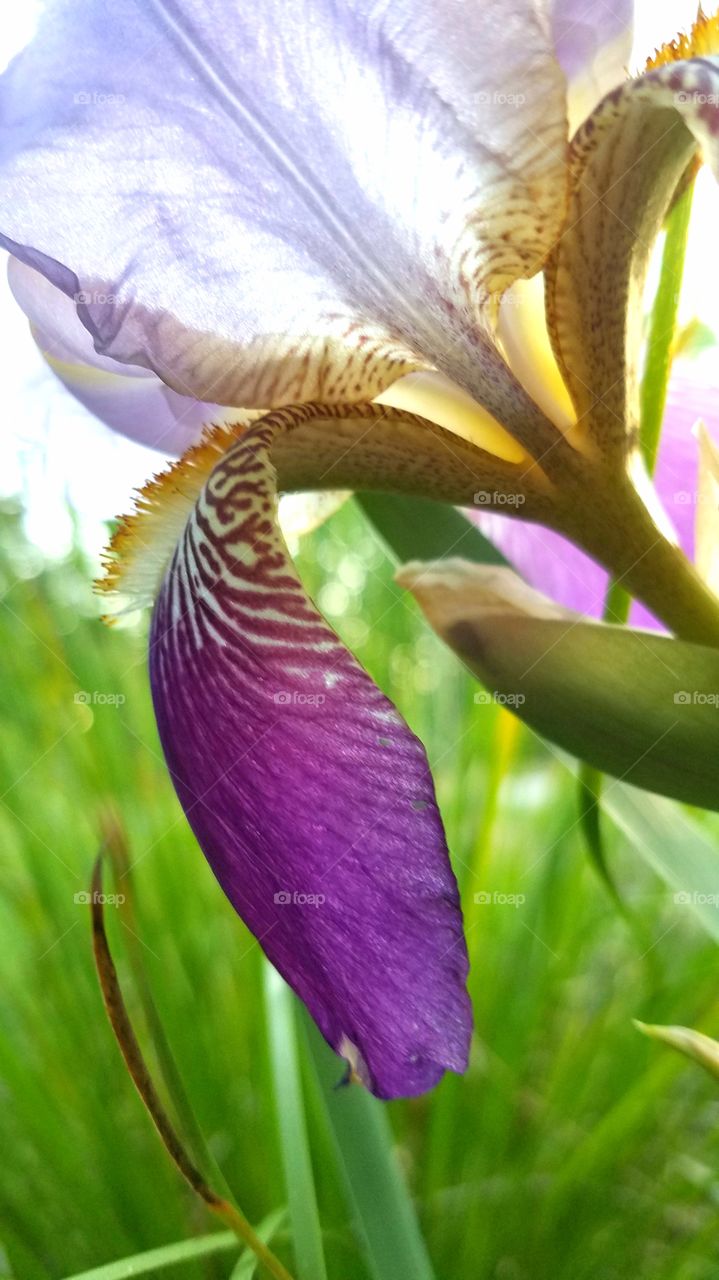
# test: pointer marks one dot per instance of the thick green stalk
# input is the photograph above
(653, 396)
(614, 525)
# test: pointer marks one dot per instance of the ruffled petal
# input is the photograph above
(627, 161)
(131, 400)
(265, 206)
(307, 792)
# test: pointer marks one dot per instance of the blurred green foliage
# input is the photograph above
(572, 1149)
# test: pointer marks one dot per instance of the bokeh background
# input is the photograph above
(572, 1148)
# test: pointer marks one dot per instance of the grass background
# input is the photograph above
(572, 1148)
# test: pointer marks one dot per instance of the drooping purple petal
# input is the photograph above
(273, 203)
(306, 790)
(556, 566)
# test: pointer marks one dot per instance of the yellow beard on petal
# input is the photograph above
(314, 446)
(143, 542)
(702, 40)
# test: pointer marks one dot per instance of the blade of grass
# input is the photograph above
(289, 1105)
(135, 1063)
(443, 1121)
(675, 847)
(117, 847)
(247, 1265)
(375, 1187)
(168, 1255)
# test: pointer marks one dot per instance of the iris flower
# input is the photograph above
(315, 227)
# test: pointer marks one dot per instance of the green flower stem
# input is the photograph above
(612, 523)
(663, 327)
(660, 343)
(653, 397)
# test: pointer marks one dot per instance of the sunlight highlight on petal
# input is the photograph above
(523, 334)
(440, 400)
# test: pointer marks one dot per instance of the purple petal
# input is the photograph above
(271, 204)
(554, 565)
(310, 797)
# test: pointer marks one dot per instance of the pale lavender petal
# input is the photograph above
(307, 792)
(273, 203)
(593, 39)
(553, 565)
(131, 400)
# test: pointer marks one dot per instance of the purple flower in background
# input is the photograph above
(297, 225)
(556, 566)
